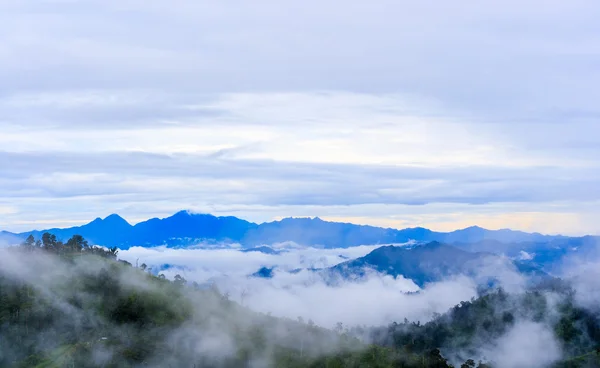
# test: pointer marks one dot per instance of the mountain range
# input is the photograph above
(425, 263)
(432, 262)
(188, 229)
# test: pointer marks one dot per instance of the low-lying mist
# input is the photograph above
(69, 305)
(376, 300)
(85, 311)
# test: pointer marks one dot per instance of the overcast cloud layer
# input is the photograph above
(393, 113)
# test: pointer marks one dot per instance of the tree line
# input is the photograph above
(76, 245)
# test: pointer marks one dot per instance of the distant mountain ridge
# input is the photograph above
(186, 229)
(424, 263)
(548, 255)
(432, 262)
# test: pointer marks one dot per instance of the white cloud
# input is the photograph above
(240, 264)
(524, 256)
(526, 345)
(584, 272)
(378, 300)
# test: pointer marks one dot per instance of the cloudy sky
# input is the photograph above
(395, 113)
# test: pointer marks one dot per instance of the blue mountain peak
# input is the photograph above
(115, 219)
(188, 228)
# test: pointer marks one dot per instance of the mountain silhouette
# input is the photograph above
(186, 229)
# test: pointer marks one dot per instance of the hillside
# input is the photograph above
(539, 328)
(73, 305)
(70, 304)
(74, 308)
(431, 262)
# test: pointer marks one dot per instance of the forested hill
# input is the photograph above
(185, 228)
(432, 262)
(73, 305)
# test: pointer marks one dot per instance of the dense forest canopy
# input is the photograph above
(69, 304)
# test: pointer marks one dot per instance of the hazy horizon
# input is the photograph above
(133, 222)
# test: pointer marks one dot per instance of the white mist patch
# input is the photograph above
(377, 300)
(232, 262)
(527, 345)
(583, 272)
(524, 256)
(501, 269)
(585, 279)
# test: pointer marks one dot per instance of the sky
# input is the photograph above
(391, 113)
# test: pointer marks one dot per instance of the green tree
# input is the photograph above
(180, 281)
(50, 243)
(77, 244)
(468, 364)
(29, 243)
